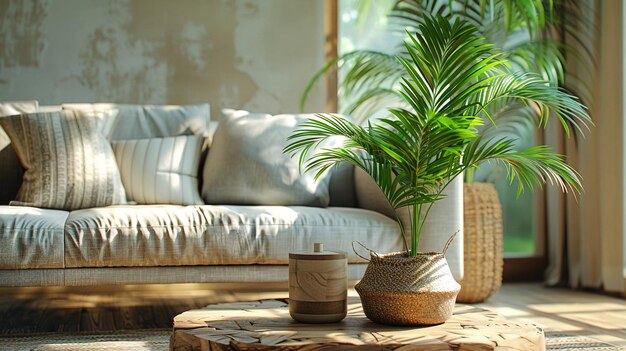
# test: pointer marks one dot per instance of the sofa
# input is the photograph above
(223, 219)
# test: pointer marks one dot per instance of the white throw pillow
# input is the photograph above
(160, 170)
(246, 164)
(68, 163)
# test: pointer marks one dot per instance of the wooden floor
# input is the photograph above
(588, 314)
(94, 309)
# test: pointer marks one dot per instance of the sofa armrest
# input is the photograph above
(445, 218)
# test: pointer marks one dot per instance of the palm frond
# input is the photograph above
(531, 88)
(529, 168)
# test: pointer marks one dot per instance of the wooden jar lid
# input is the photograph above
(318, 253)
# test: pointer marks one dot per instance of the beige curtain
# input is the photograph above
(586, 235)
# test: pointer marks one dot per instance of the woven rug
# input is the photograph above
(158, 340)
(566, 341)
(131, 340)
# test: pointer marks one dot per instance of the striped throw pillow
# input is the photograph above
(68, 163)
(160, 170)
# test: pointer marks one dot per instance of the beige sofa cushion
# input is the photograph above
(68, 163)
(160, 170)
(213, 235)
(31, 237)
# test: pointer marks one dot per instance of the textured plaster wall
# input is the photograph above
(251, 54)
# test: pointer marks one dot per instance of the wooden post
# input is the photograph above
(331, 33)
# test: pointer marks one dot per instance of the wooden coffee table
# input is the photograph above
(266, 325)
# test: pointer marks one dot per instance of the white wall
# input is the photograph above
(256, 55)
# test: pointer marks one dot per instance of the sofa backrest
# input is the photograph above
(341, 187)
(145, 121)
(153, 121)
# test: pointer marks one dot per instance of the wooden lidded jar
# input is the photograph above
(318, 285)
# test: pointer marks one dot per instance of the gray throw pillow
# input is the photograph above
(68, 163)
(246, 164)
(160, 170)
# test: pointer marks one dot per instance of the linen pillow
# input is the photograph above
(160, 170)
(246, 164)
(68, 163)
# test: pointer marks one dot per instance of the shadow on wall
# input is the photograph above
(242, 54)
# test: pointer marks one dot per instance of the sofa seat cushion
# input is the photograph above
(154, 235)
(31, 237)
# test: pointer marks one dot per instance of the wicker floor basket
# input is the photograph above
(401, 290)
(482, 243)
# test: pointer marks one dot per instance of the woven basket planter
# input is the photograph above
(482, 243)
(401, 290)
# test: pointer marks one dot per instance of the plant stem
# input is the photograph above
(402, 230)
(469, 175)
(416, 229)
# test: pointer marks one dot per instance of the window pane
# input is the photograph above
(363, 25)
(519, 215)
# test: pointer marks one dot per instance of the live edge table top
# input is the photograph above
(266, 325)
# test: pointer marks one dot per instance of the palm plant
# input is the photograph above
(451, 79)
(528, 34)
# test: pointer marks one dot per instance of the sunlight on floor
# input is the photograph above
(587, 314)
